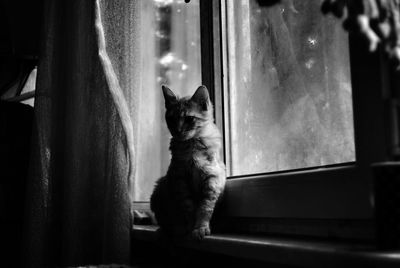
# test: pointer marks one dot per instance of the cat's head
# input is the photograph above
(187, 116)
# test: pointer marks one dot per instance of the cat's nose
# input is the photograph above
(180, 126)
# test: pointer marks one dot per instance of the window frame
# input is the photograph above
(325, 201)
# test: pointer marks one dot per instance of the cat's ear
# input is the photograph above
(169, 96)
(202, 98)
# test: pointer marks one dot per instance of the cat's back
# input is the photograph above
(159, 194)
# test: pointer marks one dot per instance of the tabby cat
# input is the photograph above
(183, 200)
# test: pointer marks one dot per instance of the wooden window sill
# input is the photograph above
(288, 251)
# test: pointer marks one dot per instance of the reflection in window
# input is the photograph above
(289, 88)
(170, 38)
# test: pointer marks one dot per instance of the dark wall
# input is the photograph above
(20, 32)
(15, 138)
(20, 22)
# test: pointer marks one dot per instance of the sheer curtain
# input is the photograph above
(81, 177)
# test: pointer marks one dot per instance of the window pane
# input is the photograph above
(289, 90)
(30, 85)
(170, 37)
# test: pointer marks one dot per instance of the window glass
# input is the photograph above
(30, 86)
(288, 96)
(170, 38)
(25, 79)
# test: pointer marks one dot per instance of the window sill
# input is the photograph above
(288, 251)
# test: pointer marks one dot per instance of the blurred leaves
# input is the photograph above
(378, 21)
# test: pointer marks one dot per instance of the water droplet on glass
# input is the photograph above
(312, 41)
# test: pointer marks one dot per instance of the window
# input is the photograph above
(171, 33)
(289, 89)
(293, 96)
(22, 88)
(288, 80)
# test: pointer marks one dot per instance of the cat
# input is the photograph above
(184, 199)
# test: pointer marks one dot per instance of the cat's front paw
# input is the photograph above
(200, 232)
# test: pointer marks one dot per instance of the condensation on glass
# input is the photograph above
(289, 88)
(170, 45)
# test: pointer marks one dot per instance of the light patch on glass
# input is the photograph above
(170, 30)
(289, 94)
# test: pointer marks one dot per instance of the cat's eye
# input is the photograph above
(190, 119)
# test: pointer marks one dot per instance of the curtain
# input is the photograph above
(81, 176)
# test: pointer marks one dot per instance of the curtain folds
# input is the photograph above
(81, 177)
